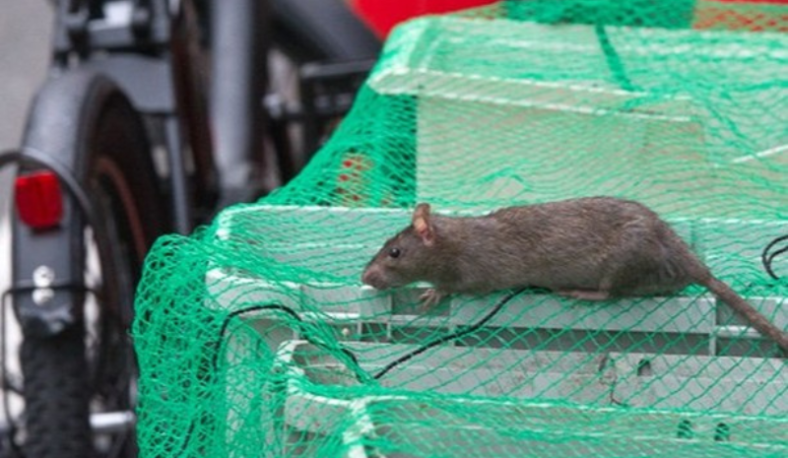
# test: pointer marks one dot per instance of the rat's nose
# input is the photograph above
(369, 277)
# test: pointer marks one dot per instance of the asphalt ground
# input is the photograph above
(25, 27)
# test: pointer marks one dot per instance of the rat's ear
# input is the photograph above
(422, 224)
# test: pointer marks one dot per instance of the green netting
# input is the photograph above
(256, 338)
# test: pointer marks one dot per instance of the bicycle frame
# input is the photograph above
(147, 47)
(151, 49)
(147, 54)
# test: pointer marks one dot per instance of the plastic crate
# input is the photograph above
(539, 97)
(533, 429)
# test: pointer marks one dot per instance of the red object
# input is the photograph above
(777, 2)
(742, 15)
(353, 180)
(39, 200)
(383, 15)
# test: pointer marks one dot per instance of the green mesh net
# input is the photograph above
(255, 337)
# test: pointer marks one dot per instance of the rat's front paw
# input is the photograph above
(430, 298)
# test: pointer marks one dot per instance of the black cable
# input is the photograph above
(278, 307)
(452, 336)
(767, 259)
(361, 375)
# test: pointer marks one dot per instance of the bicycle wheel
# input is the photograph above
(83, 121)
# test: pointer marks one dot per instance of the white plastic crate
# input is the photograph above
(586, 130)
(490, 427)
(306, 238)
(655, 380)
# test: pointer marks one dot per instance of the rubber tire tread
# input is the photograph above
(56, 371)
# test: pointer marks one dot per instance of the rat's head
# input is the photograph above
(406, 257)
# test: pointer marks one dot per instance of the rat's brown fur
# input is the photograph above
(588, 248)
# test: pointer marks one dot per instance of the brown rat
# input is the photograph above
(591, 248)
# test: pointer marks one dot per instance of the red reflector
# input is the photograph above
(39, 200)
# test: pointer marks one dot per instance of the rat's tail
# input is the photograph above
(750, 313)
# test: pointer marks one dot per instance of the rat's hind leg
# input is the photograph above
(585, 294)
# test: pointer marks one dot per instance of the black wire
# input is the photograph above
(272, 306)
(448, 337)
(360, 373)
(768, 259)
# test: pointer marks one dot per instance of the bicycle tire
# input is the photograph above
(54, 371)
(89, 122)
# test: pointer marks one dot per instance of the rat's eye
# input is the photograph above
(394, 252)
